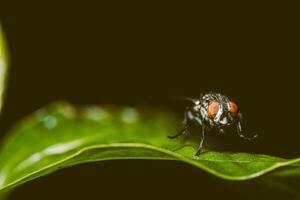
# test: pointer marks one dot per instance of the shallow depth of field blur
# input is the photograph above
(150, 53)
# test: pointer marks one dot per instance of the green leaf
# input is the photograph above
(3, 66)
(60, 136)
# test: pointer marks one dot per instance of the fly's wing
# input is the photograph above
(187, 99)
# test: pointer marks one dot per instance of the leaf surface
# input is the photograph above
(61, 135)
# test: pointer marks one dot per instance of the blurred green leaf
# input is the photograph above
(3, 66)
(61, 135)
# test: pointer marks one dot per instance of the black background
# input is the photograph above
(129, 53)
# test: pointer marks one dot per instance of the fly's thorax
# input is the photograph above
(200, 115)
(194, 114)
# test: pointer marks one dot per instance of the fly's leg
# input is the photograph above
(239, 129)
(185, 125)
(178, 134)
(201, 141)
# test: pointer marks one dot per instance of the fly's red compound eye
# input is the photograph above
(233, 107)
(213, 109)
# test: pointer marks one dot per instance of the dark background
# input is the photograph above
(129, 53)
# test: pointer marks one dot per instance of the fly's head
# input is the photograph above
(221, 111)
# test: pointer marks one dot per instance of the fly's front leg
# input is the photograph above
(201, 141)
(185, 125)
(239, 129)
